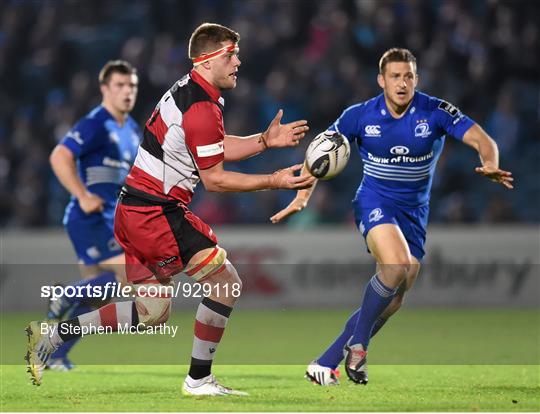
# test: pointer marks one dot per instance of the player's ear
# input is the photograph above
(415, 80)
(380, 80)
(207, 65)
(103, 87)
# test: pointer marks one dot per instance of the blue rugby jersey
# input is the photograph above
(104, 151)
(399, 155)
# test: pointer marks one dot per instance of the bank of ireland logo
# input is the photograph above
(375, 215)
(422, 130)
(399, 150)
(373, 130)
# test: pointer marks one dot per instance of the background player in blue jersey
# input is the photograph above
(91, 162)
(400, 135)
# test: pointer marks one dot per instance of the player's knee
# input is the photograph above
(206, 263)
(228, 277)
(153, 311)
(397, 273)
(397, 267)
(227, 283)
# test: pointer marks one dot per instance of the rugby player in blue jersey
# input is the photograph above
(400, 135)
(91, 162)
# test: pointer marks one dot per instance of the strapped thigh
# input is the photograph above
(212, 262)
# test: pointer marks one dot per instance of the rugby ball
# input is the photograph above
(327, 155)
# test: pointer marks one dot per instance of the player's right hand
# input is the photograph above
(496, 175)
(91, 203)
(295, 206)
(285, 179)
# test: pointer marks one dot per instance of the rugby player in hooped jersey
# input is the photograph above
(184, 143)
(400, 135)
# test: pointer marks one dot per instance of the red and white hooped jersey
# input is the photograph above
(184, 134)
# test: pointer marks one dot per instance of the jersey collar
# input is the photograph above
(100, 109)
(211, 90)
(410, 109)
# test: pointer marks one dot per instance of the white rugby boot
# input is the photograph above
(39, 349)
(322, 375)
(207, 386)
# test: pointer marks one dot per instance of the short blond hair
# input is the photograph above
(396, 54)
(115, 66)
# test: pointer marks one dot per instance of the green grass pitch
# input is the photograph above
(423, 360)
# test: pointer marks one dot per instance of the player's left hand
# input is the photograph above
(496, 175)
(294, 207)
(286, 135)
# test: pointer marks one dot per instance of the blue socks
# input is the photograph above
(332, 357)
(376, 298)
(334, 354)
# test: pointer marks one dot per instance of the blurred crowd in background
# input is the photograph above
(311, 58)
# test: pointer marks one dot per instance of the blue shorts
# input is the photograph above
(412, 222)
(93, 238)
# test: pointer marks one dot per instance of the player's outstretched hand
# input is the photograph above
(295, 206)
(91, 203)
(496, 175)
(286, 135)
(286, 179)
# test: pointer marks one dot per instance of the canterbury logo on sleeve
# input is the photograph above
(209, 150)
